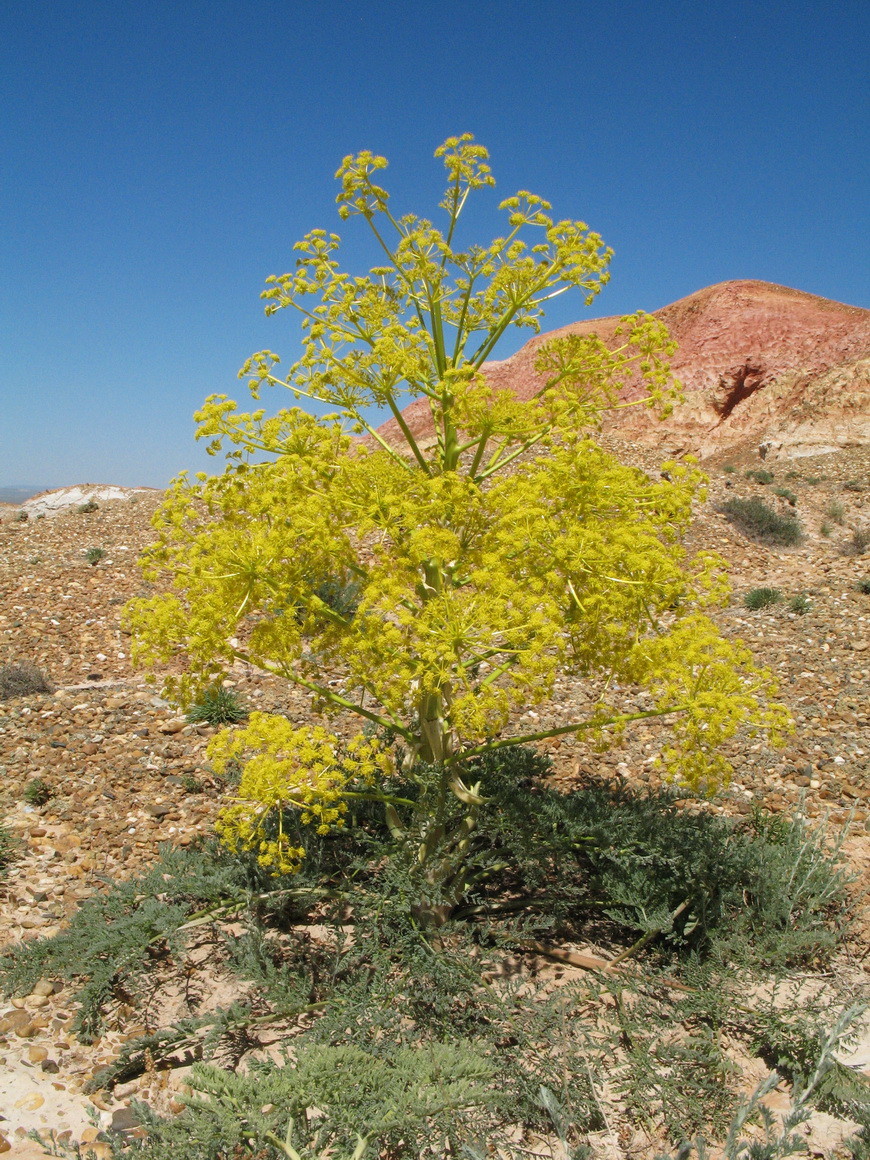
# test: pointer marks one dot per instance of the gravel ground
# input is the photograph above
(126, 773)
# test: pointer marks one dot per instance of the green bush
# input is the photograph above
(860, 541)
(760, 476)
(21, 517)
(835, 511)
(729, 468)
(784, 493)
(801, 604)
(37, 792)
(90, 505)
(338, 594)
(22, 680)
(218, 706)
(94, 555)
(863, 586)
(853, 485)
(754, 518)
(825, 529)
(758, 598)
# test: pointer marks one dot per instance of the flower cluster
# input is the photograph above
(304, 770)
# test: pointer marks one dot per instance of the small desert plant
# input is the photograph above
(754, 518)
(191, 784)
(37, 792)
(793, 475)
(784, 493)
(860, 542)
(8, 848)
(218, 706)
(800, 604)
(21, 680)
(89, 506)
(863, 586)
(758, 598)
(760, 476)
(94, 555)
(342, 596)
(21, 517)
(729, 468)
(835, 511)
(853, 485)
(825, 529)
(812, 480)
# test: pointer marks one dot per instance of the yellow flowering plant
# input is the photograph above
(483, 561)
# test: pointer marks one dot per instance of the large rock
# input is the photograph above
(61, 499)
(759, 363)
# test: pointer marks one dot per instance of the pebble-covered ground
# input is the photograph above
(126, 773)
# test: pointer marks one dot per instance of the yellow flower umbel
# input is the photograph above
(305, 770)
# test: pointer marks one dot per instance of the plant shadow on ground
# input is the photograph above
(413, 1039)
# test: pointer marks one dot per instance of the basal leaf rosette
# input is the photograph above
(307, 771)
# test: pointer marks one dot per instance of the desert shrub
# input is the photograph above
(825, 529)
(755, 519)
(94, 555)
(793, 475)
(729, 468)
(758, 598)
(90, 505)
(760, 476)
(21, 516)
(22, 680)
(835, 511)
(8, 848)
(785, 494)
(853, 485)
(863, 586)
(37, 792)
(801, 604)
(218, 706)
(340, 595)
(859, 542)
(813, 480)
(473, 565)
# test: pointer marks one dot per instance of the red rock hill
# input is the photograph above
(759, 363)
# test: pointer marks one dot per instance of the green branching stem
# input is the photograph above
(329, 695)
(559, 731)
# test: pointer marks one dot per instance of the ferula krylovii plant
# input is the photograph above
(485, 560)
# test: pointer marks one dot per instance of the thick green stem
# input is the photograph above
(409, 438)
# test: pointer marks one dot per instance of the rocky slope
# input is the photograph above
(759, 364)
(125, 772)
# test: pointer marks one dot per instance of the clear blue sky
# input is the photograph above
(159, 159)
